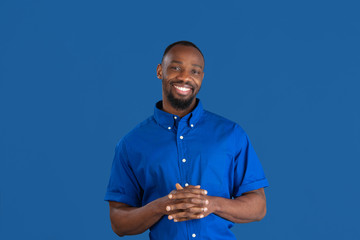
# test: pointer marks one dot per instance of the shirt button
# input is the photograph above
(169, 128)
(186, 184)
(175, 117)
(193, 235)
(184, 160)
(192, 125)
(181, 137)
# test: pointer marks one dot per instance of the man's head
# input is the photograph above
(183, 43)
(181, 72)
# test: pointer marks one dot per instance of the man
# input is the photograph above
(184, 173)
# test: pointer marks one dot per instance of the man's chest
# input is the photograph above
(189, 159)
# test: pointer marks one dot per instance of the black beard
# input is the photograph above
(179, 104)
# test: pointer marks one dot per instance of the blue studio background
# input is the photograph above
(75, 76)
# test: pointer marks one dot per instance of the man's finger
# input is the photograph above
(185, 216)
(179, 206)
(198, 191)
(171, 194)
(178, 186)
(184, 194)
(192, 186)
(197, 210)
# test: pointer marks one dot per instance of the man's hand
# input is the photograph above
(188, 203)
(184, 204)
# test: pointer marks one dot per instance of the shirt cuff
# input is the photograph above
(251, 186)
(119, 197)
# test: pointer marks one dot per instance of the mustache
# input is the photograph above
(191, 84)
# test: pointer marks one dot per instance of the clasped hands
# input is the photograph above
(188, 203)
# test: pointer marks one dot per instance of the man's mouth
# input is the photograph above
(182, 90)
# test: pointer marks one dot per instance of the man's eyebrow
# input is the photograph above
(174, 61)
(180, 62)
(196, 65)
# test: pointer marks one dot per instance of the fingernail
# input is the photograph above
(205, 209)
(170, 196)
(170, 217)
(207, 201)
(201, 216)
(175, 220)
(205, 192)
(168, 208)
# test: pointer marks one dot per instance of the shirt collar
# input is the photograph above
(167, 119)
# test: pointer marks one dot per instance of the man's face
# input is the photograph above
(182, 73)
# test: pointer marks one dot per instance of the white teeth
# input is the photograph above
(182, 88)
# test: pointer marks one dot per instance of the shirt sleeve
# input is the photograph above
(249, 174)
(123, 186)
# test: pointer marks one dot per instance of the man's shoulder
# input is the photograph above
(146, 125)
(208, 115)
(224, 127)
(219, 120)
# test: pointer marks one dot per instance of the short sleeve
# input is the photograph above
(249, 174)
(123, 186)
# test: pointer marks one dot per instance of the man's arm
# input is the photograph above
(249, 207)
(186, 204)
(128, 220)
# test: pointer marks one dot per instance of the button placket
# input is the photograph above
(185, 129)
(181, 152)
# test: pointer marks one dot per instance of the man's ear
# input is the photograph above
(159, 71)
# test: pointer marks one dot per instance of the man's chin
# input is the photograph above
(180, 103)
(183, 97)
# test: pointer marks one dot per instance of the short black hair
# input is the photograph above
(183, 43)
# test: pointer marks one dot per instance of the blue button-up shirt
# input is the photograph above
(200, 148)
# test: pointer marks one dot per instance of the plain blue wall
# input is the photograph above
(75, 76)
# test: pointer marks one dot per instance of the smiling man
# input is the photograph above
(184, 173)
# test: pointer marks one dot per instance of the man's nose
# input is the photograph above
(184, 75)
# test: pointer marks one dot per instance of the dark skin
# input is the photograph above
(182, 73)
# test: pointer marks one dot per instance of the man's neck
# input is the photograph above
(166, 106)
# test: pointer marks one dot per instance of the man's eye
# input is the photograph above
(195, 72)
(176, 68)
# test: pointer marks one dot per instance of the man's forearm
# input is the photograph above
(249, 207)
(127, 220)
